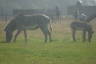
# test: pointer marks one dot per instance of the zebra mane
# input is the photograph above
(38, 15)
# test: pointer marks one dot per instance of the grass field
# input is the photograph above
(61, 51)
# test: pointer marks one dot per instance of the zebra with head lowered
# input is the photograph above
(86, 28)
(25, 22)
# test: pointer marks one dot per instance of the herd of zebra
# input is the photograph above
(42, 21)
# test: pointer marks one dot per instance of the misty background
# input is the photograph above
(9, 5)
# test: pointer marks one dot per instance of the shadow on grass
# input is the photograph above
(3, 42)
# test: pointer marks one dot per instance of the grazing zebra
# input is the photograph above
(25, 22)
(86, 28)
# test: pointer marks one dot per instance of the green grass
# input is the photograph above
(61, 51)
(38, 52)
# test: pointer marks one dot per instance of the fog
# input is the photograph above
(37, 4)
(9, 5)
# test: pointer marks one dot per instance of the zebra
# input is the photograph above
(85, 27)
(28, 22)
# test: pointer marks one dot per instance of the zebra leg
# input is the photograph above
(49, 33)
(18, 32)
(89, 36)
(45, 32)
(84, 36)
(25, 35)
(73, 35)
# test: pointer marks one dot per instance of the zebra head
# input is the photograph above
(11, 26)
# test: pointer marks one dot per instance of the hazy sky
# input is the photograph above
(89, 2)
(35, 3)
(41, 4)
